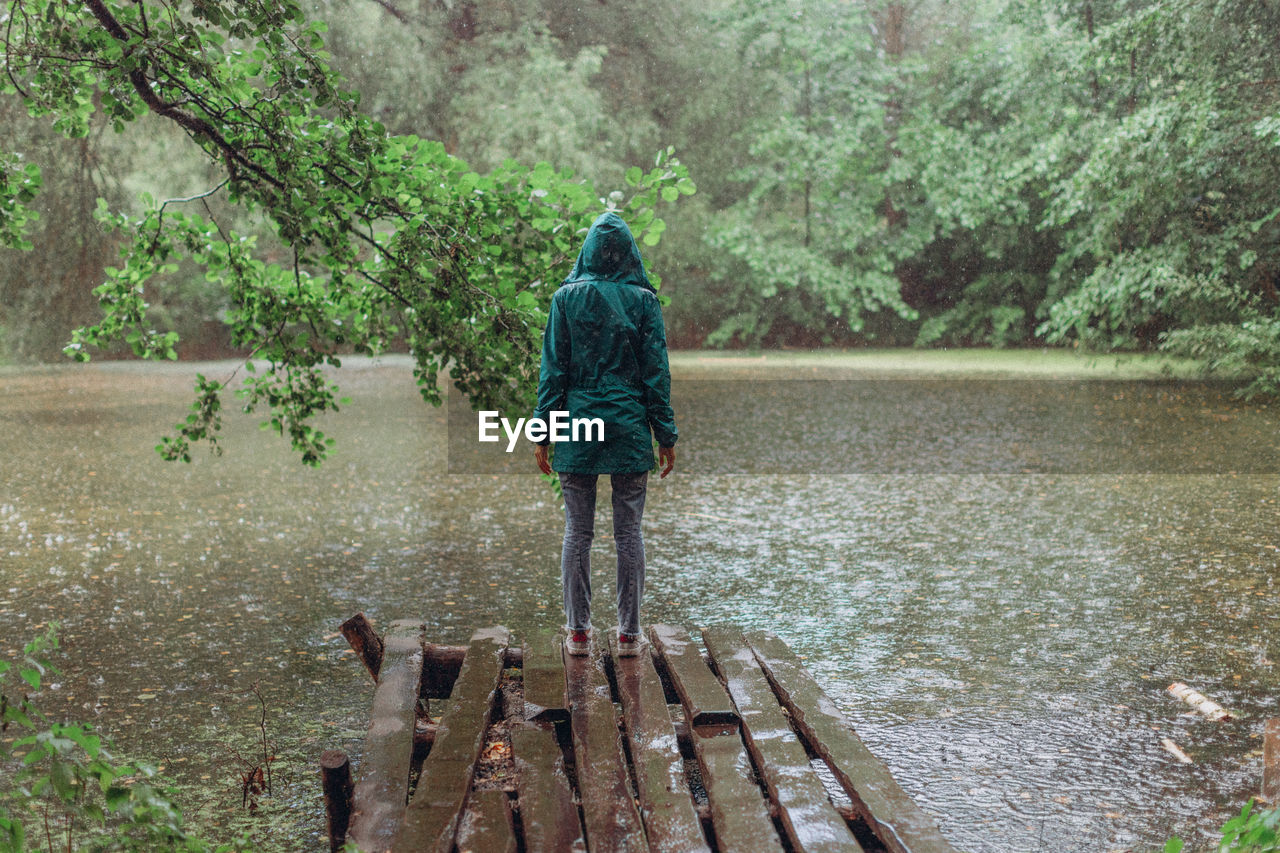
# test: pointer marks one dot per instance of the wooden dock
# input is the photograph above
(496, 747)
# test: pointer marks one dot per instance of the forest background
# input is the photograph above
(927, 173)
(874, 173)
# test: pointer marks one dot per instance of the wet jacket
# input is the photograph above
(604, 355)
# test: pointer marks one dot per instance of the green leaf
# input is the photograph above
(90, 743)
(62, 778)
(116, 796)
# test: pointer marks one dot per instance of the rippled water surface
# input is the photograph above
(995, 579)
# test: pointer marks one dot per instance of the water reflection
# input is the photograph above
(1001, 639)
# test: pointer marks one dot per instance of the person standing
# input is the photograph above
(604, 355)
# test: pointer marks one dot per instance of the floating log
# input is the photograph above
(704, 699)
(335, 781)
(365, 642)
(1199, 701)
(440, 668)
(379, 796)
(544, 693)
(431, 819)
(486, 827)
(1271, 762)
(666, 805)
(888, 811)
(609, 813)
(807, 815)
(548, 814)
(441, 664)
(1174, 750)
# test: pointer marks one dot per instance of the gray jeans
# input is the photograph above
(579, 529)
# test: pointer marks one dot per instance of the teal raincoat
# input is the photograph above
(604, 355)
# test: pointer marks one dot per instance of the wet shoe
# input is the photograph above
(578, 643)
(629, 644)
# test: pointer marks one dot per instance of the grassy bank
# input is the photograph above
(897, 363)
(919, 363)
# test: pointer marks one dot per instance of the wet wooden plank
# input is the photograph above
(378, 801)
(666, 806)
(810, 820)
(486, 826)
(544, 693)
(705, 701)
(431, 820)
(739, 811)
(548, 815)
(608, 811)
(891, 814)
(1271, 762)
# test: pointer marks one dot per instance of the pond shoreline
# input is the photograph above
(978, 362)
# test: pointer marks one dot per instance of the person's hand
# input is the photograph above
(666, 460)
(540, 456)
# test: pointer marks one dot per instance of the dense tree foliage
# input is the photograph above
(1016, 172)
(812, 240)
(372, 238)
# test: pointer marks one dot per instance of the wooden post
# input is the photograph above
(335, 779)
(360, 634)
(1271, 762)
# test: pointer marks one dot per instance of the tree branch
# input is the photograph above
(192, 123)
(396, 13)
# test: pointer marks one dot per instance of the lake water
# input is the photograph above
(996, 578)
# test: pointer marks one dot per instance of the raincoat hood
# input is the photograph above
(610, 253)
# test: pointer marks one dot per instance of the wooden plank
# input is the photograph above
(608, 811)
(890, 813)
(739, 811)
(486, 826)
(810, 820)
(1271, 762)
(431, 820)
(705, 701)
(378, 802)
(544, 693)
(548, 815)
(666, 805)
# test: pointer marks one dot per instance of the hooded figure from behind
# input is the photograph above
(604, 355)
